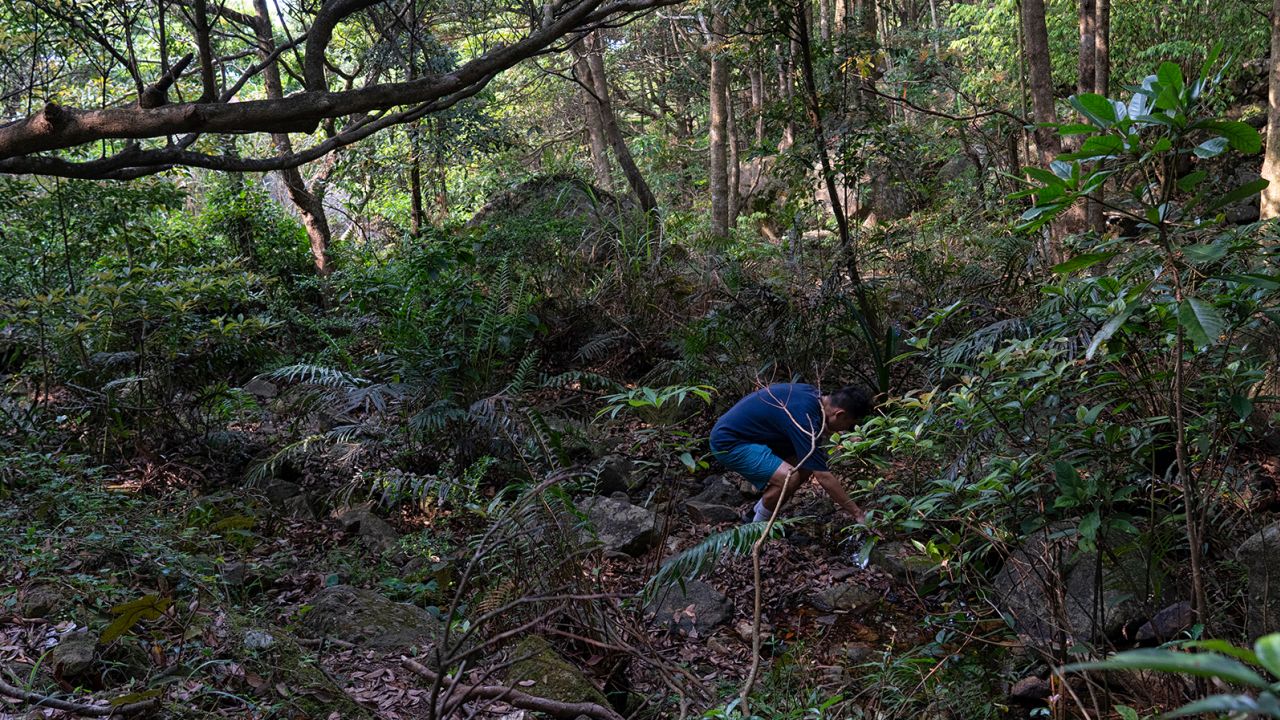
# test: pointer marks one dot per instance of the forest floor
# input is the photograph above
(138, 586)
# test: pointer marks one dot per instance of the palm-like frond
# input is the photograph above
(704, 556)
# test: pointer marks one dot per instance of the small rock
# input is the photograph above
(261, 389)
(299, 507)
(544, 673)
(696, 610)
(613, 474)
(258, 640)
(39, 601)
(1167, 623)
(373, 530)
(844, 597)
(620, 527)
(234, 574)
(711, 513)
(743, 629)
(74, 654)
(281, 490)
(717, 490)
(368, 619)
(856, 653)
(1029, 690)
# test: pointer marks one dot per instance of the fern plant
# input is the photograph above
(703, 557)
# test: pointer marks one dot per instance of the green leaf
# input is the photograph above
(1089, 525)
(1042, 175)
(1170, 75)
(1096, 108)
(1107, 330)
(1201, 320)
(1265, 704)
(1247, 190)
(1188, 182)
(1126, 713)
(148, 607)
(1242, 137)
(1076, 129)
(1224, 647)
(1244, 408)
(1080, 262)
(1266, 282)
(1267, 648)
(1207, 665)
(1205, 252)
(1211, 148)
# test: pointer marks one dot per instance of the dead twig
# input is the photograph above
(517, 699)
(46, 701)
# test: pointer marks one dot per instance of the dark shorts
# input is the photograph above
(756, 463)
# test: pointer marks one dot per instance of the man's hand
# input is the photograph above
(835, 490)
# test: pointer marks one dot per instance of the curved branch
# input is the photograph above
(37, 700)
(331, 13)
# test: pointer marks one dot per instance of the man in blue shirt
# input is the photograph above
(781, 428)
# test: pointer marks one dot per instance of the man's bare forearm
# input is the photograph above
(831, 484)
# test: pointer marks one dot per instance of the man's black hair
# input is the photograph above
(853, 400)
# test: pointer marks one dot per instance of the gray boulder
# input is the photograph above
(845, 597)
(372, 530)
(718, 490)
(696, 610)
(1166, 624)
(620, 527)
(74, 654)
(1260, 555)
(710, 512)
(613, 474)
(1048, 566)
(367, 619)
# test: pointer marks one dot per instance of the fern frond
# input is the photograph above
(308, 374)
(704, 556)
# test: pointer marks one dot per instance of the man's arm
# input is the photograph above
(831, 484)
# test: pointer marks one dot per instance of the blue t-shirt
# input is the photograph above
(759, 419)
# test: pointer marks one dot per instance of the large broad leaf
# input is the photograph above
(1201, 320)
(1099, 146)
(1266, 282)
(1080, 262)
(1206, 665)
(1205, 252)
(1265, 705)
(1243, 138)
(1267, 648)
(1248, 189)
(148, 607)
(1211, 148)
(1170, 76)
(1107, 330)
(1096, 108)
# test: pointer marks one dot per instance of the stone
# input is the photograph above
(620, 527)
(845, 597)
(711, 513)
(957, 167)
(74, 654)
(613, 474)
(543, 672)
(280, 490)
(1260, 556)
(1166, 624)
(904, 563)
(367, 619)
(258, 640)
(299, 507)
(39, 601)
(1030, 690)
(717, 490)
(261, 389)
(695, 610)
(1046, 564)
(234, 574)
(856, 653)
(373, 530)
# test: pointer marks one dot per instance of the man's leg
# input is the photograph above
(782, 485)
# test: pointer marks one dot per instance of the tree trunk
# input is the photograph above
(1087, 81)
(824, 20)
(757, 103)
(310, 207)
(718, 172)
(1271, 158)
(594, 54)
(1088, 46)
(734, 166)
(601, 169)
(415, 182)
(1036, 36)
(1102, 63)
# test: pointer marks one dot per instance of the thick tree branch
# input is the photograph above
(331, 13)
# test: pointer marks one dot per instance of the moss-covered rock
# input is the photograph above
(552, 677)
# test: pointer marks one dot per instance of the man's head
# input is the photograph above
(845, 408)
